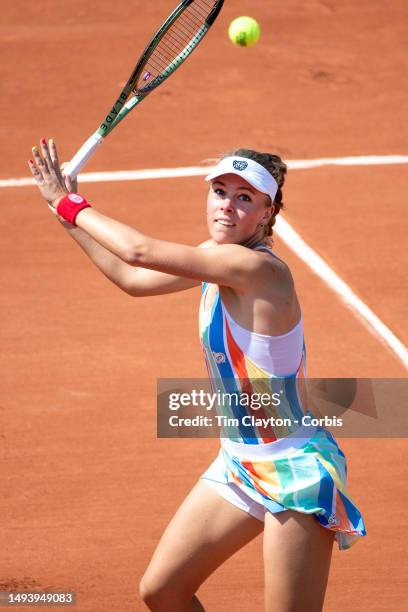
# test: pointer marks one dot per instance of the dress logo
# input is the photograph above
(219, 357)
(240, 165)
(333, 520)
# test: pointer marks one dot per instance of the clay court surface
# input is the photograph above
(87, 488)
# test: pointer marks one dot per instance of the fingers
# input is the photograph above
(48, 163)
(45, 166)
(47, 157)
(70, 183)
(54, 159)
(37, 174)
(46, 172)
(39, 162)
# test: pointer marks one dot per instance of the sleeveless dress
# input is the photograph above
(283, 464)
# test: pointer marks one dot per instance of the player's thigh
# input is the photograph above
(205, 531)
(297, 555)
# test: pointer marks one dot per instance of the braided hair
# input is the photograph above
(278, 169)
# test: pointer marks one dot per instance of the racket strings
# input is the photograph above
(176, 40)
(202, 8)
(199, 11)
(175, 45)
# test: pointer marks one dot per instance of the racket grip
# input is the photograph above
(85, 152)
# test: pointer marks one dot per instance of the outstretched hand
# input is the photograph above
(47, 173)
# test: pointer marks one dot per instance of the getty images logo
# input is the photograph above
(240, 165)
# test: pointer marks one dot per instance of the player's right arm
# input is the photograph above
(137, 282)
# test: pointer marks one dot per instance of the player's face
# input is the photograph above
(236, 211)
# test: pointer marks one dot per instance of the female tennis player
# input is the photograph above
(289, 480)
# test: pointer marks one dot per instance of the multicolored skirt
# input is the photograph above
(308, 476)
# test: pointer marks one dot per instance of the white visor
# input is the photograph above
(255, 174)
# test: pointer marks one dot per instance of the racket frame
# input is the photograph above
(124, 104)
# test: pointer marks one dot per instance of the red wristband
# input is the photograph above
(70, 205)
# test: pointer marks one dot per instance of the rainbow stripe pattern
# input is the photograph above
(232, 372)
(311, 480)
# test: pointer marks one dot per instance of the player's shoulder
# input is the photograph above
(268, 254)
(207, 244)
(274, 266)
(232, 251)
(261, 256)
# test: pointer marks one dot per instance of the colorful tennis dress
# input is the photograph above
(284, 463)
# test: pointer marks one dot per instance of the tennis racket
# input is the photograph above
(176, 39)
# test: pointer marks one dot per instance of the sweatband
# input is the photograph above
(255, 174)
(70, 205)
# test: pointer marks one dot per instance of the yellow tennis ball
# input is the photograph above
(244, 31)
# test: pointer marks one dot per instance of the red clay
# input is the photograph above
(87, 487)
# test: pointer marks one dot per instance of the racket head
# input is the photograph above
(170, 46)
(174, 42)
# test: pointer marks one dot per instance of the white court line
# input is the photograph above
(283, 229)
(138, 175)
(323, 271)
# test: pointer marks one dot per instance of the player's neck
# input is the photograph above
(255, 240)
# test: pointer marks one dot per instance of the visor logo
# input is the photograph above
(240, 165)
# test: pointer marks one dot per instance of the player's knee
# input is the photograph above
(159, 595)
(150, 593)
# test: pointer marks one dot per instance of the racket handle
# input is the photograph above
(85, 152)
